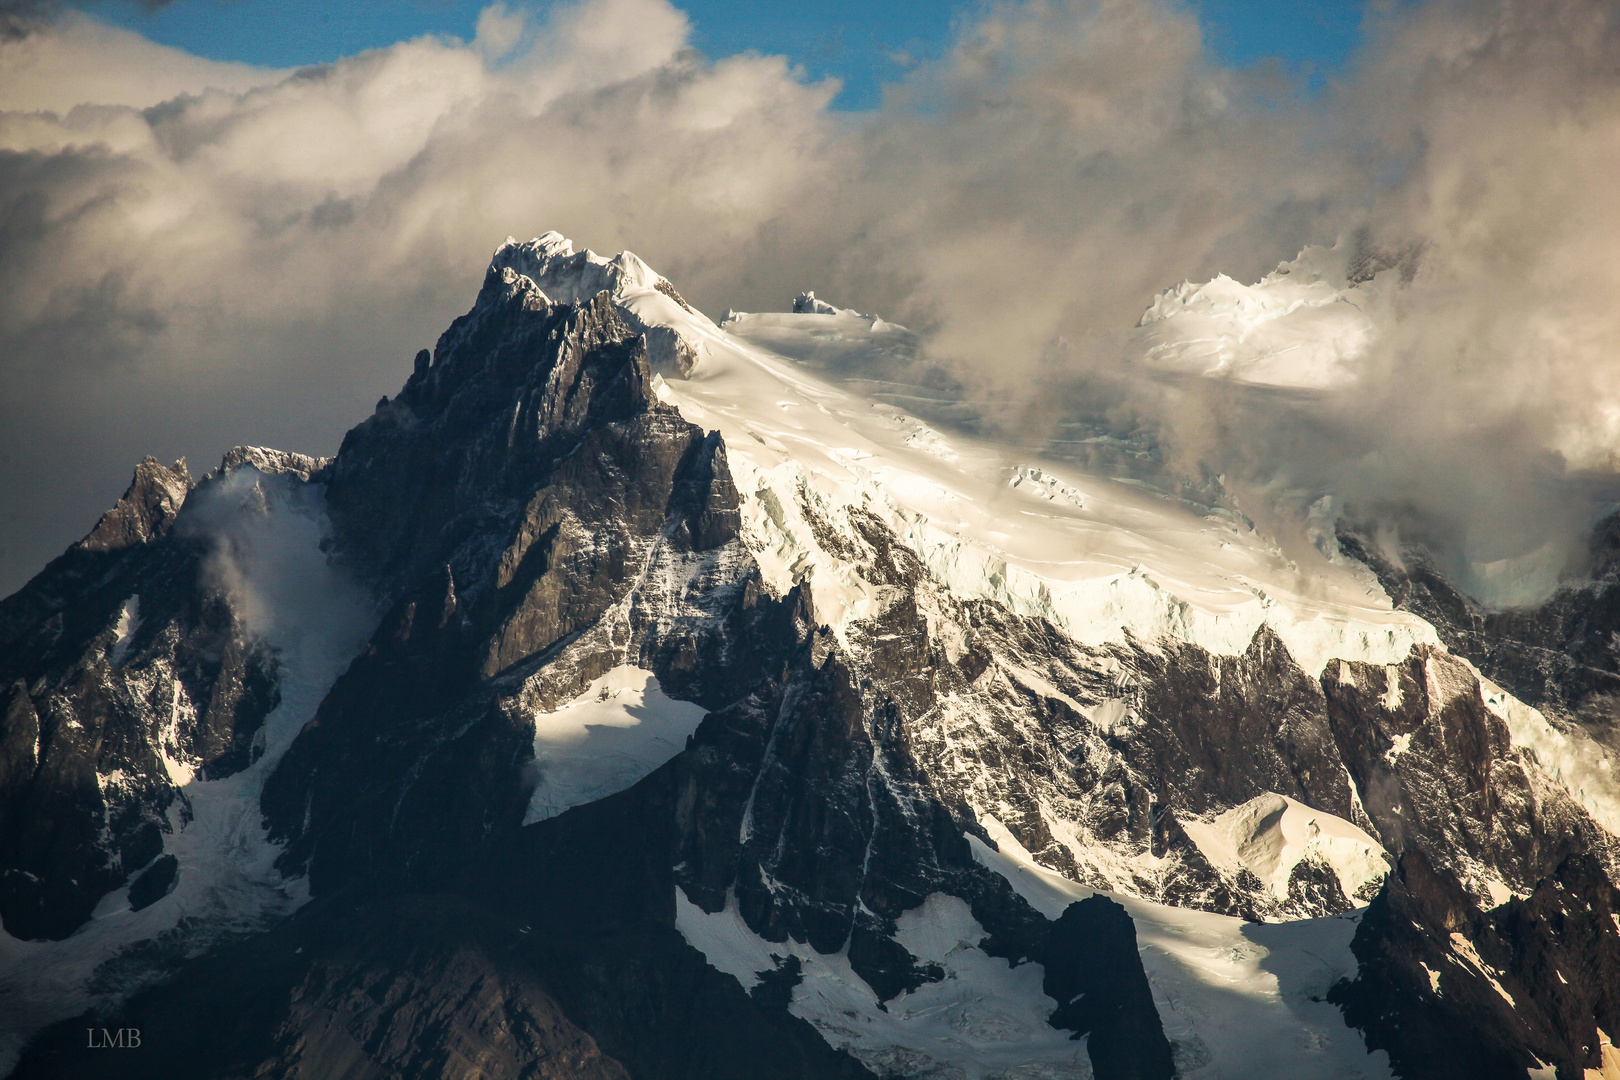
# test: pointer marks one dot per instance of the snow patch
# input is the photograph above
(129, 622)
(1029, 680)
(1392, 689)
(1271, 834)
(1609, 1060)
(180, 771)
(1236, 999)
(1110, 714)
(620, 729)
(985, 1019)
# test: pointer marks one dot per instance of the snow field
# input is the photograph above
(1098, 559)
(618, 730)
(1235, 998)
(986, 1019)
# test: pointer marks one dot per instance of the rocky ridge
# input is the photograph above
(529, 513)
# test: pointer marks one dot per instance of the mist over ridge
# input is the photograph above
(199, 255)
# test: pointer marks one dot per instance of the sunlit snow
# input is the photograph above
(1097, 558)
(1237, 999)
(1270, 834)
(619, 730)
(1303, 326)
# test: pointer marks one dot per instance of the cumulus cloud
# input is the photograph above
(78, 60)
(193, 254)
(1483, 416)
(256, 262)
(1072, 160)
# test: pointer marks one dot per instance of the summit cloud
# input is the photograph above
(194, 255)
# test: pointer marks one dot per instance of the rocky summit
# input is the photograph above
(634, 696)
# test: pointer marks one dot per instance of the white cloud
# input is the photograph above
(195, 254)
(85, 61)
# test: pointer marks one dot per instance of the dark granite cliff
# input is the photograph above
(526, 516)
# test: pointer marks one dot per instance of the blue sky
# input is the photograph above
(862, 43)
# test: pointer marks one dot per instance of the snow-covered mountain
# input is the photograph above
(1310, 324)
(636, 695)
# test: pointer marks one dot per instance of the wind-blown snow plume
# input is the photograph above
(264, 535)
(195, 249)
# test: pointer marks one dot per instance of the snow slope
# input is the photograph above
(1303, 326)
(1104, 559)
(1270, 834)
(814, 436)
(620, 729)
(1235, 998)
(985, 1018)
(1100, 559)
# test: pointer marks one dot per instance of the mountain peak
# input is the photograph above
(894, 755)
(1307, 325)
(147, 509)
(571, 277)
(644, 298)
(272, 462)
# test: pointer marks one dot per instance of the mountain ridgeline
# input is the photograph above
(271, 744)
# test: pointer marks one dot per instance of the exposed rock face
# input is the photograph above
(1450, 984)
(536, 518)
(1451, 990)
(1097, 758)
(526, 516)
(618, 543)
(146, 512)
(1092, 967)
(415, 987)
(1438, 774)
(1560, 656)
(125, 668)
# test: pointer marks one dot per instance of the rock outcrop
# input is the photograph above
(337, 673)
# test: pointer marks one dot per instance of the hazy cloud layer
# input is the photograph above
(194, 255)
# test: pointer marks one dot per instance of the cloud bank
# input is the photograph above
(194, 255)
